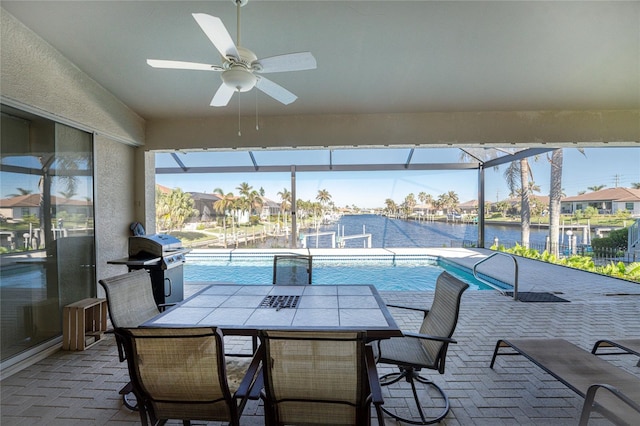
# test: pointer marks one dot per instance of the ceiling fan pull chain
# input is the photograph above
(257, 124)
(239, 132)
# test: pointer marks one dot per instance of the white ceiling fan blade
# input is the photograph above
(274, 90)
(288, 62)
(180, 65)
(217, 33)
(222, 96)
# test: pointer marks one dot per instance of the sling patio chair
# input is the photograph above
(426, 349)
(606, 388)
(624, 347)
(130, 303)
(292, 269)
(180, 374)
(318, 378)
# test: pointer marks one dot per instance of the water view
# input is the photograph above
(387, 233)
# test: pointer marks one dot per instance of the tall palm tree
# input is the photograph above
(555, 196)
(222, 206)
(323, 196)
(285, 203)
(519, 179)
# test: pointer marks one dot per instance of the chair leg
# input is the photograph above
(128, 398)
(411, 375)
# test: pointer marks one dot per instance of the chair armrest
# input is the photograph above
(374, 383)
(252, 382)
(429, 337)
(410, 308)
(588, 405)
(372, 373)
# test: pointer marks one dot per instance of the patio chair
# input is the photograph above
(292, 269)
(180, 374)
(625, 346)
(318, 377)
(426, 349)
(606, 388)
(130, 302)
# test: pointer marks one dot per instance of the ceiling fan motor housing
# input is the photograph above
(238, 73)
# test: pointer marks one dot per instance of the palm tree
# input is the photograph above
(555, 196)
(391, 207)
(174, 208)
(222, 206)
(323, 196)
(635, 185)
(409, 204)
(522, 170)
(285, 203)
(596, 188)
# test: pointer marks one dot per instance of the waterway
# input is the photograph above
(387, 233)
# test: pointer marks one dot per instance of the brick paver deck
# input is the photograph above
(82, 387)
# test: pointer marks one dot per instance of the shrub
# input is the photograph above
(617, 240)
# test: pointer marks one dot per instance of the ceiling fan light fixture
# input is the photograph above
(239, 78)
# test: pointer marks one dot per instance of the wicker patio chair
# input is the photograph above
(426, 349)
(130, 302)
(180, 374)
(292, 269)
(318, 377)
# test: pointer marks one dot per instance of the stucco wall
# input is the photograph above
(36, 77)
(114, 196)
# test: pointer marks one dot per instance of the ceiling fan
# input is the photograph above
(241, 67)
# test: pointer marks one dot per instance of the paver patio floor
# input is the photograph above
(82, 387)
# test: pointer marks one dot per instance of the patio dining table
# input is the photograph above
(244, 310)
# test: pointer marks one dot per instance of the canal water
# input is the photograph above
(387, 233)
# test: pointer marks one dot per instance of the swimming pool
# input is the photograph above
(387, 273)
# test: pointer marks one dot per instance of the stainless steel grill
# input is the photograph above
(163, 256)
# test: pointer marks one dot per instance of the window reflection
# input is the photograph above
(46, 227)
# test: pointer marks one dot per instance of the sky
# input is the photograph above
(597, 166)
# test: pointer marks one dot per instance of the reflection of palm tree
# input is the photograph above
(21, 191)
(67, 194)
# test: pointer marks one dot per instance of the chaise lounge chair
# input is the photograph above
(628, 346)
(585, 374)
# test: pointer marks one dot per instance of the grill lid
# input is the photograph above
(154, 245)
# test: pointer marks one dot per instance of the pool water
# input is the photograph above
(385, 274)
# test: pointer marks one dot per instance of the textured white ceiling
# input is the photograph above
(373, 57)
